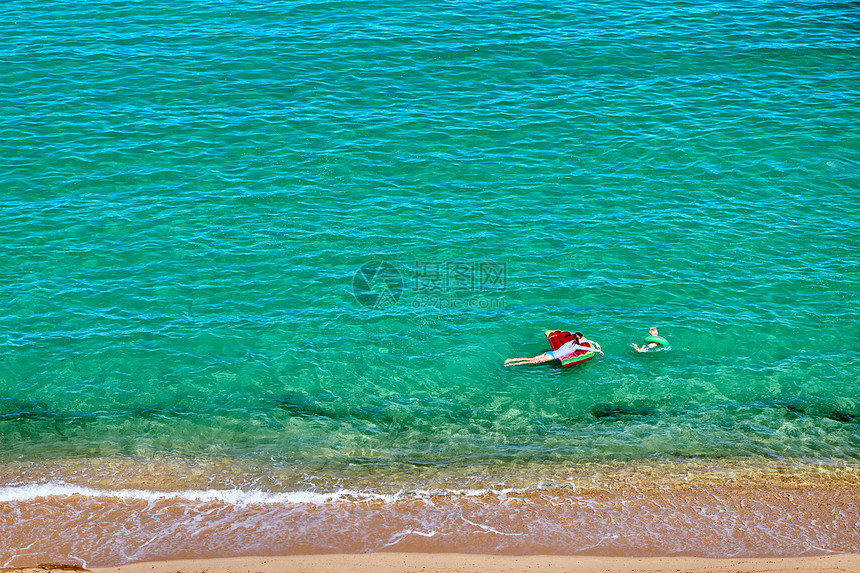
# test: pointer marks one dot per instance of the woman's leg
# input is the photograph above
(540, 358)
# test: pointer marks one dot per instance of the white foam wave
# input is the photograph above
(488, 529)
(31, 492)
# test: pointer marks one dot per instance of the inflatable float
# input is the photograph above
(557, 338)
(662, 343)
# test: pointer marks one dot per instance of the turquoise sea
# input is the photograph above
(262, 263)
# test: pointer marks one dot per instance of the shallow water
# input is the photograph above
(671, 508)
(283, 249)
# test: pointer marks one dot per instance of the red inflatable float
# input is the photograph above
(557, 338)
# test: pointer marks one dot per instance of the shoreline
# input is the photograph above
(714, 516)
(466, 563)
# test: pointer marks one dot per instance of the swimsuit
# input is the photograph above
(567, 349)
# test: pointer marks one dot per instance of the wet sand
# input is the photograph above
(458, 563)
(724, 515)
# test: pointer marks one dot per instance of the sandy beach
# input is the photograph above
(460, 563)
(715, 515)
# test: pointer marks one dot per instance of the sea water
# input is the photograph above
(262, 263)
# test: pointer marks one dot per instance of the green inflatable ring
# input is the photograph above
(658, 339)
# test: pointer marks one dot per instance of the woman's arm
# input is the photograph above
(593, 343)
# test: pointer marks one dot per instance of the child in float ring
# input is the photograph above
(651, 341)
(565, 349)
